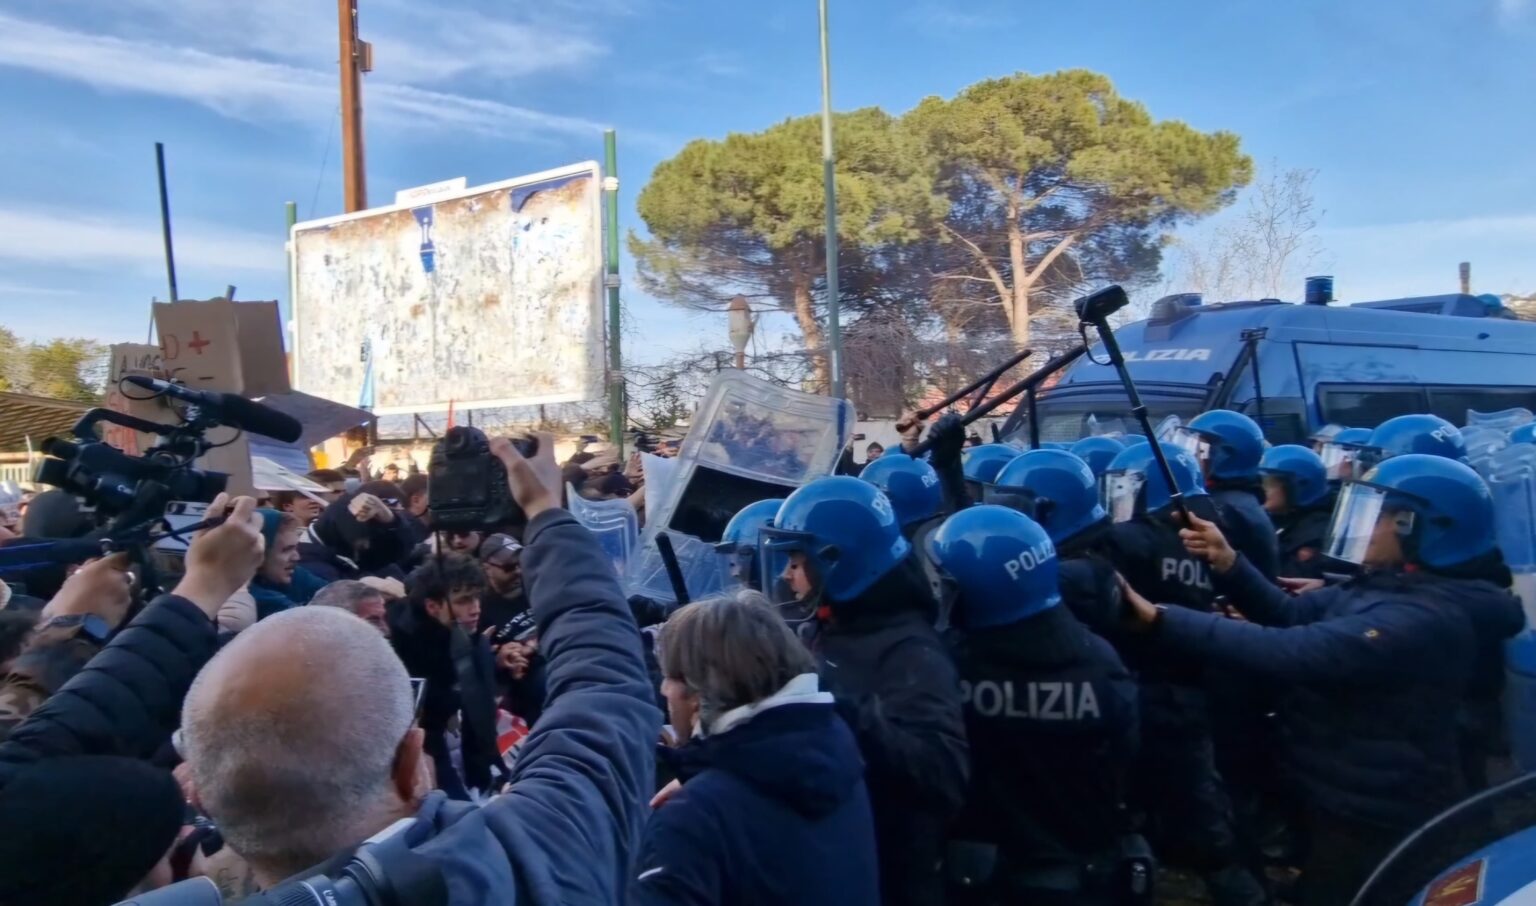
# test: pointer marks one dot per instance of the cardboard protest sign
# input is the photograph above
(235, 347)
(133, 359)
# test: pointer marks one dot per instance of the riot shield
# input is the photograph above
(750, 441)
(614, 522)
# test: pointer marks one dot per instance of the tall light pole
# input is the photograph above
(829, 178)
(741, 329)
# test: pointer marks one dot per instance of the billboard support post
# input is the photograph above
(611, 281)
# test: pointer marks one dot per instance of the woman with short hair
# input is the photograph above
(772, 806)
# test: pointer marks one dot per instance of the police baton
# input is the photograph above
(674, 571)
(1035, 379)
(986, 380)
(1094, 309)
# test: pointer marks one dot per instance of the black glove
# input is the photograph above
(947, 439)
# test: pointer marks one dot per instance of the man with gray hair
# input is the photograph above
(301, 747)
(364, 601)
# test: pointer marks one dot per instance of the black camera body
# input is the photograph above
(112, 481)
(1096, 307)
(467, 485)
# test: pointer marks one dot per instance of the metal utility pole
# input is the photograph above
(1466, 278)
(356, 59)
(829, 177)
(165, 221)
(611, 281)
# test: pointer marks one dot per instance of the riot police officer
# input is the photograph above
(1342, 455)
(1228, 445)
(1098, 452)
(1297, 498)
(1050, 713)
(1176, 781)
(1422, 433)
(1375, 669)
(912, 486)
(737, 548)
(982, 465)
(1059, 490)
(839, 548)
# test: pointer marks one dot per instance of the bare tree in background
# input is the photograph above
(1265, 253)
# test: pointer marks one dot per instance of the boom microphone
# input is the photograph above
(228, 409)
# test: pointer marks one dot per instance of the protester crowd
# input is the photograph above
(979, 676)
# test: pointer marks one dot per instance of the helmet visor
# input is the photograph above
(1358, 516)
(1340, 460)
(1011, 497)
(736, 565)
(787, 572)
(1119, 491)
(1192, 442)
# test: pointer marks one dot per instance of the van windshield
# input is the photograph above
(1074, 418)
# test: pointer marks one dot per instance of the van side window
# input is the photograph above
(1452, 403)
(1368, 405)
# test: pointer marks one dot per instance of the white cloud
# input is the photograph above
(77, 239)
(1512, 10)
(254, 89)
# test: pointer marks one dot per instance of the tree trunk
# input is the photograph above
(810, 329)
(1017, 301)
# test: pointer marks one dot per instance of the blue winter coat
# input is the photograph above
(566, 832)
(1375, 670)
(772, 811)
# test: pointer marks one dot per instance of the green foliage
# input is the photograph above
(68, 369)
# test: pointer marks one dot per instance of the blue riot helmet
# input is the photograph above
(982, 465)
(911, 484)
(737, 548)
(1228, 445)
(832, 539)
(1133, 440)
(1297, 472)
(1097, 452)
(1060, 491)
(1439, 509)
(1341, 454)
(1133, 485)
(1002, 563)
(1422, 433)
(1525, 434)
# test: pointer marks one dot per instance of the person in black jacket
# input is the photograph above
(861, 598)
(1051, 718)
(1377, 670)
(1298, 499)
(507, 620)
(771, 806)
(95, 733)
(1190, 812)
(357, 535)
(437, 637)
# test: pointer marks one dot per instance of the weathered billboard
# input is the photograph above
(485, 296)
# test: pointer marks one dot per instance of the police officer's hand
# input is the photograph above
(1299, 586)
(535, 481)
(1205, 540)
(1139, 614)
(910, 426)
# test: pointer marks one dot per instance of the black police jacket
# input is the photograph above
(1301, 535)
(1091, 592)
(1247, 526)
(1375, 670)
(1148, 553)
(897, 688)
(1051, 715)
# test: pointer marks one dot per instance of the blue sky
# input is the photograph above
(1416, 113)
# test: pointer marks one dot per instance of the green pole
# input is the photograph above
(829, 191)
(615, 356)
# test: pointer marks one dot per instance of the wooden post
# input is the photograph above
(1466, 278)
(355, 177)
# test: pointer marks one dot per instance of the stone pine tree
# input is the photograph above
(1055, 182)
(746, 215)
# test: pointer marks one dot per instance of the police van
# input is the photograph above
(1295, 367)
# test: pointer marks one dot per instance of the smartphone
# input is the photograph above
(418, 689)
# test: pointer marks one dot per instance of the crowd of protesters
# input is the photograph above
(983, 677)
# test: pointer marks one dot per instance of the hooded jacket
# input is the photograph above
(337, 546)
(897, 687)
(1300, 535)
(1375, 671)
(270, 597)
(773, 810)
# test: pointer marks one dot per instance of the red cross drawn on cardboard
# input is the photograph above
(198, 342)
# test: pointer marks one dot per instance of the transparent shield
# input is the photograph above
(1118, 491)
(1166, 428)
(1355, 516)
